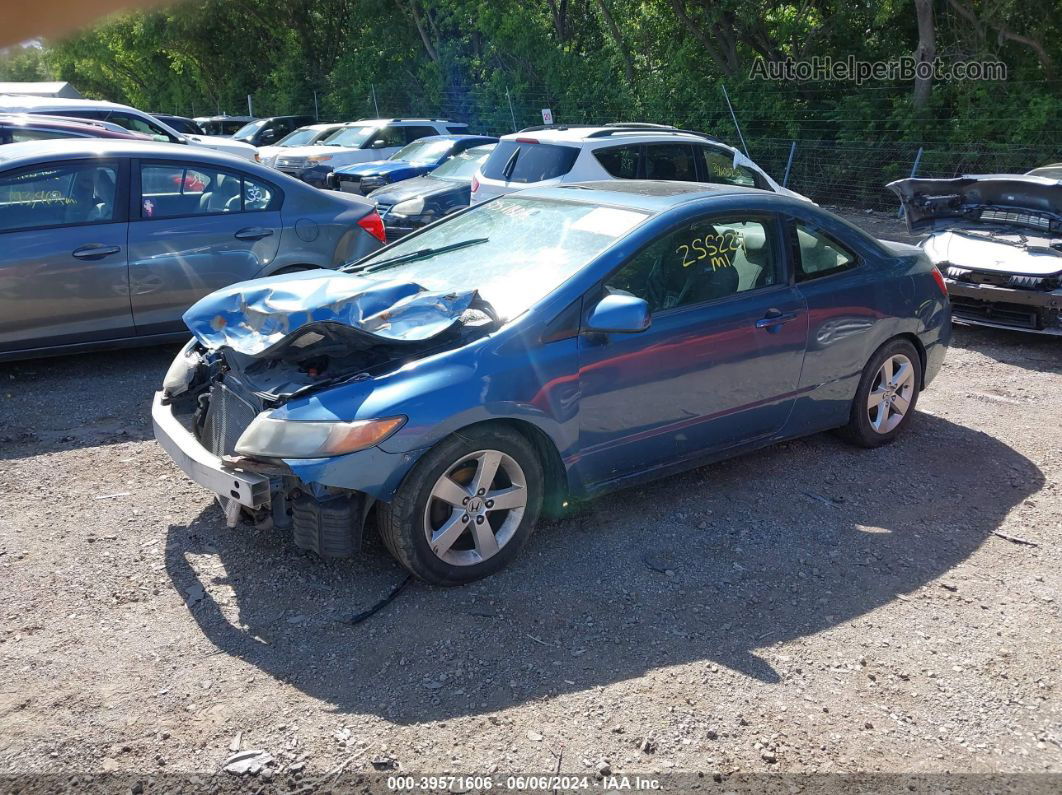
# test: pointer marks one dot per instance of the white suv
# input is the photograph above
(359, 142)
(124, 116)
(561, 155)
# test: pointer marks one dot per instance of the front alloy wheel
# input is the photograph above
(467, 507)
(475, 508)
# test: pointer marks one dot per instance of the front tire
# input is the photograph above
(466, 508)
(885, 400)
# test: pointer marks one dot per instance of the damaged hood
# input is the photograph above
(267, 316)
(1000, 199)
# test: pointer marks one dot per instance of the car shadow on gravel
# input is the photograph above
(710, 566)
(71, 402)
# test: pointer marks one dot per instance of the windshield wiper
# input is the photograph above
(510, 166)
(423, 253)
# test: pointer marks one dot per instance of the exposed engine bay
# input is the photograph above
(997, 240)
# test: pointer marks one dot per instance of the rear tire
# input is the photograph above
(888, 392)
(467, 507)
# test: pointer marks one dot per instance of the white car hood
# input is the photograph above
(976, 251)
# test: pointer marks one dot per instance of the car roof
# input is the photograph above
(366, 122)
(12, 155)
(652, 195)
(458, 137)
(610, 134)
(21, 101)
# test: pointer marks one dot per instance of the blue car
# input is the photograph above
(420, 157)
(550, 345)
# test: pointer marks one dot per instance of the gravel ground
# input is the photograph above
(811, 607)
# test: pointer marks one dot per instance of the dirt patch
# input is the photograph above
(810, 607)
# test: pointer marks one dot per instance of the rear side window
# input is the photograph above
(61, 195)
(820, 255)
(620, 162)
(175, 191)
(719, 168)
(524, 162)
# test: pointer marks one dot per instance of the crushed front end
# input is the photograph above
(265, 347)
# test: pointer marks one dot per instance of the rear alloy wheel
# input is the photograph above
(891, 395)
(887, 394)
(467, 507)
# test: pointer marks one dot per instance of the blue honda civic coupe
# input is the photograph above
(547, 346)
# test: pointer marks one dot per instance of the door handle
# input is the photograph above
(253, 233)
(95, 251)
(775, 317)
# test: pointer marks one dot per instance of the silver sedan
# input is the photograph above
(107, 243)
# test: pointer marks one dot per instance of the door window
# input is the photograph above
(173, 191)
(719, 168)
(710, 259)
(671, 162)
(820, 255)
(620, 162)
(391, 136)
(413, 133)
(60, 195)
(140, 125)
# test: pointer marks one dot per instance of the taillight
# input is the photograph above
(373, 224)
(475, 184)
(938, 277)
(527, 140)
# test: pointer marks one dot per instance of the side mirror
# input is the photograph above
(268, 136)
(619, 314)
(379, 143)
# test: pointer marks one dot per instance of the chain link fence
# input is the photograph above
(821, 158)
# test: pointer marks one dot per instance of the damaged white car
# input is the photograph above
(998, 241)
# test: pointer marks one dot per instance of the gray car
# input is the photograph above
(106, 243)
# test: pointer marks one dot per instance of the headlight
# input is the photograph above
(409, 207)
(319, 158)
(267, 437)
(182, 371)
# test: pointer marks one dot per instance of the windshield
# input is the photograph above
(349, 136)
(305, 135)
(462, 167)
(515, 250)
(248, 130)
(423, 153)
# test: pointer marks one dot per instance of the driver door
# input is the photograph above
(720, 362)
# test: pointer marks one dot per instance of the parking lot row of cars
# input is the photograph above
(570, 309)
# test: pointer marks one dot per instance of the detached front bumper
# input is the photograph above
(1037, 311)
(203, 467)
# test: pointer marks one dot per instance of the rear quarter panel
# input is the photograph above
(850, 315)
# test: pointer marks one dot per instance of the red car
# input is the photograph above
(18, 127)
